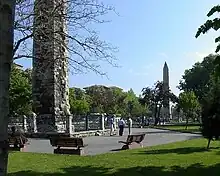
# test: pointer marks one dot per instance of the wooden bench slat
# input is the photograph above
(67, 142)
(67, 145)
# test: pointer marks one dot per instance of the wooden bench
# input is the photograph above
(16, 143)
(68, 145)
(137, 138)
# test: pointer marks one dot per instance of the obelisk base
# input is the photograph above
(46, 123)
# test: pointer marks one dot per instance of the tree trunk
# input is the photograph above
(7, 8)
(187, 121)
(209, 140)
(155, 115)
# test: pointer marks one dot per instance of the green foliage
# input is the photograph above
(197, 79)
(211, 111)
(189, 103)
(181, 128)
(102, 99)
(133, 106)
(157, 98)
(79, 107)
(211, 24)
(20, 92)
(210, 108)
(78, 100)
(97, 98)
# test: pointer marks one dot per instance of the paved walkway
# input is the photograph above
(104, 144)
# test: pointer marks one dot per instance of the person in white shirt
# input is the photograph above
(121, 125)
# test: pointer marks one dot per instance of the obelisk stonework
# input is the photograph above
(166, 105)
(50, 67)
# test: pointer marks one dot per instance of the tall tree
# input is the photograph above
(197, 79)
(147, 99)
(79, 101)
(211, 111)
(7, 11)
(116, 100)
(212, 24)
(98, 97)
(86, 50)
(132, 105)
(157, 98)
(210, 108)
(188, 102)
(20, 92)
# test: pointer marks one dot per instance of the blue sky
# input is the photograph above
(148, 33)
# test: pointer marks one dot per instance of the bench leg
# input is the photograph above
(125, 147)
(141, 144)
(22, 149)
(56, 151)
(78, 151)
(15, 149)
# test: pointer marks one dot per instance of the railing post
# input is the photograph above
(24, 123)
(69, 124)
(102, 122)
(33, 123)
(87, 122)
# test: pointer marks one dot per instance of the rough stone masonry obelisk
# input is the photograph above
(50, 67)
(166, 105)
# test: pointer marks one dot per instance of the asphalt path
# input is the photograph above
(105, 144)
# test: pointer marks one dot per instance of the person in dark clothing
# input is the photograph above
(121, 125)
(18, 134)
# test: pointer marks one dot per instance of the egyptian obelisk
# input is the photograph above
(166, 105)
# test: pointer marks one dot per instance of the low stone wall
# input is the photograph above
(91, 133)
(75, 134)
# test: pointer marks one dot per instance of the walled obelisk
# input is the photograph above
(166, 105)
(50, 66)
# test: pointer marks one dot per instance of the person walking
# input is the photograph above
(121, 125)
(112, 129)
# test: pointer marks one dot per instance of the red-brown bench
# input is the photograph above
(68, 145)
(17, 143)
(137, 138)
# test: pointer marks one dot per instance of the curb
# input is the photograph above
(180, 131)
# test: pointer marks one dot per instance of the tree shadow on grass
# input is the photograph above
(184, 150)
(195, 169)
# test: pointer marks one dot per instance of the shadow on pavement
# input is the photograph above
(116, 150)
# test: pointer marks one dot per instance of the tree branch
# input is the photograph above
(19, 42)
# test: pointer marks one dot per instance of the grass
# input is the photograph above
(181, 158)
(182, 128)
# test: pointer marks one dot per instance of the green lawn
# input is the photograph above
(181, 128)
(180, 159)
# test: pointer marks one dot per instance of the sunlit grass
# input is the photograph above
(181, 158)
